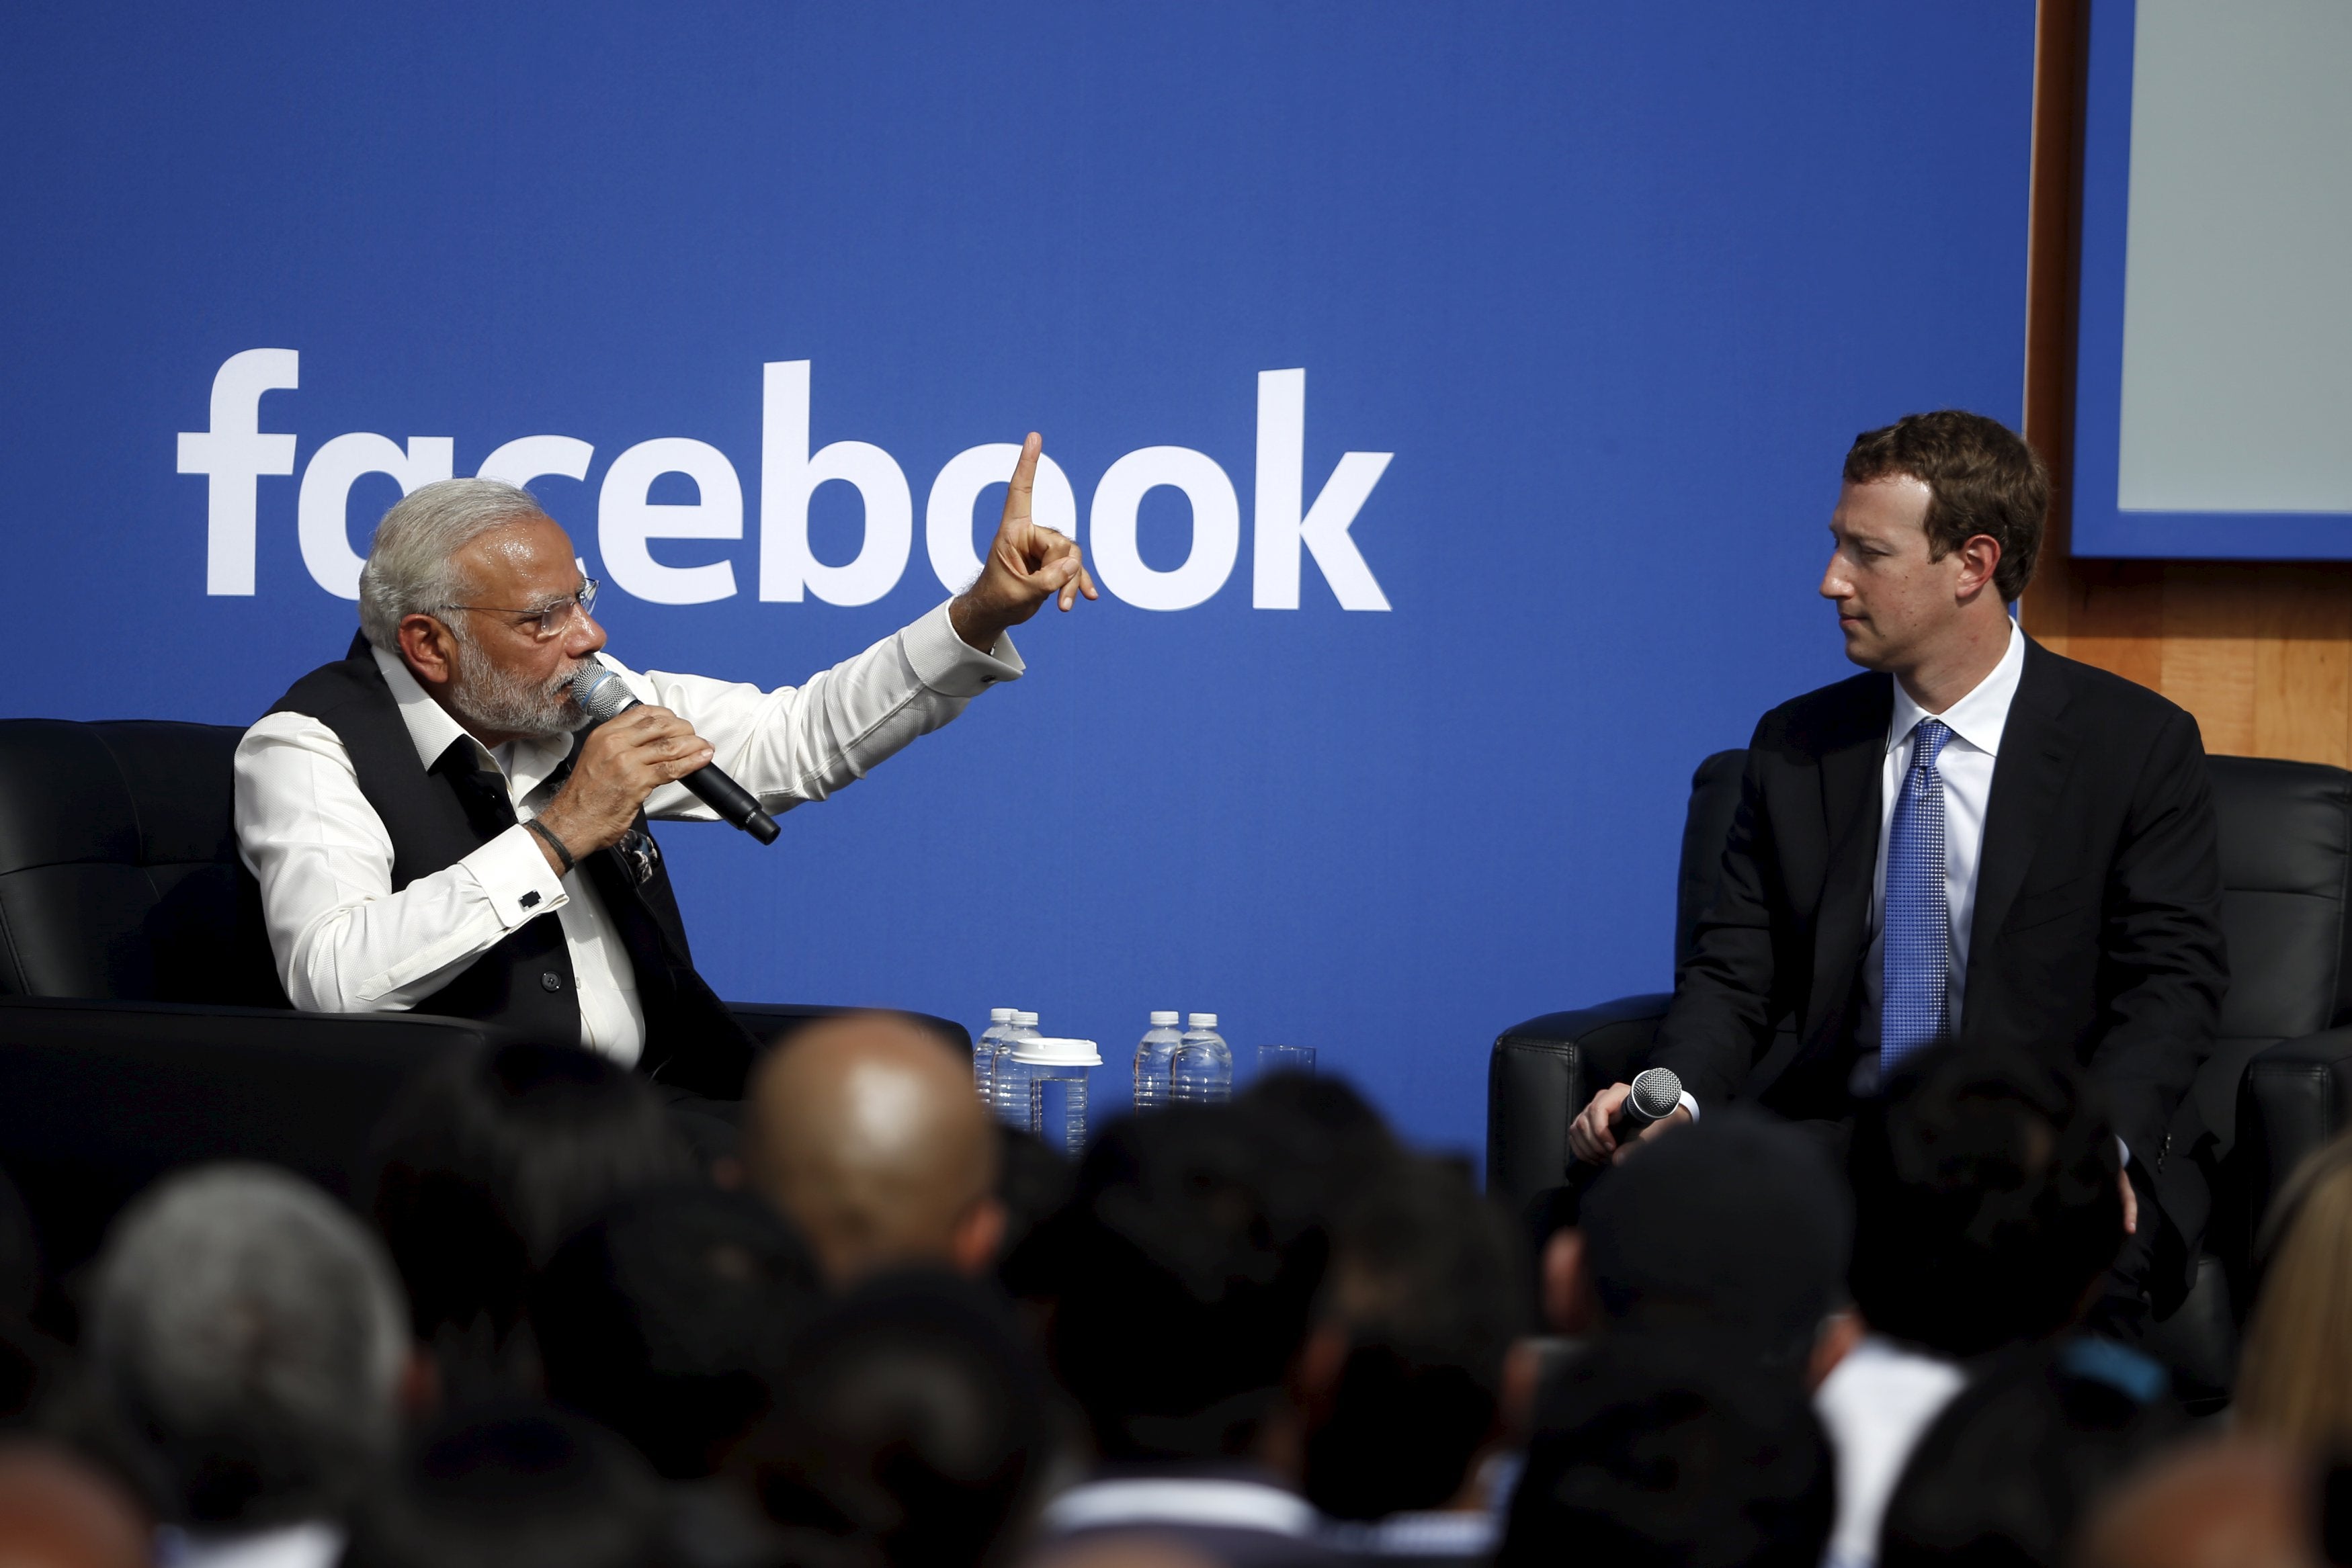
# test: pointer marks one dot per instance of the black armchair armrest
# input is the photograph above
(2296, 1097)
(100, 1098)
(1540, 1073)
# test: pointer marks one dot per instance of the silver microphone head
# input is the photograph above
(1656, 1093)
(600, 692)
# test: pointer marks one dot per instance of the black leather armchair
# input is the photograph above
(2280, 1082)
(141, 1023)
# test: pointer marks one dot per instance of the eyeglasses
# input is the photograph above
(550, 621)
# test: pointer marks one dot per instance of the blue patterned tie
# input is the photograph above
(1917, 948)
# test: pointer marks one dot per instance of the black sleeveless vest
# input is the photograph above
(437, 815)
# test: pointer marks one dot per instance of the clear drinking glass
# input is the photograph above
(1285, 1058)
(1048, 1078)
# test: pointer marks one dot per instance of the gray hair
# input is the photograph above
(412, 567)
(249, 1336)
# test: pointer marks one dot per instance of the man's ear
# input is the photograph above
(1568, 1307)
(1523, 1370)
(429, 651)
(1980, 560)
(418, 1391)
(979, 1234)
(1316, 1370)
(1840, 1333)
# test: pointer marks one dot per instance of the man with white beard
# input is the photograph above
(414, 812)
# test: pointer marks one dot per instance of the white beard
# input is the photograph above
(490, 698)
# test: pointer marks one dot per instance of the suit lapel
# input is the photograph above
(1849, 769)
(2036, 751)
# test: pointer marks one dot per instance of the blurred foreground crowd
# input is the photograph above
(575, 1328)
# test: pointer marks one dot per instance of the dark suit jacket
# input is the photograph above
(2097, 930)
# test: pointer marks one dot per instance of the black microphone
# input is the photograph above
(604, 695)
(1656, 1093)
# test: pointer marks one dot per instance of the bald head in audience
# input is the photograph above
(864, 1131)
(2232, 1504)
(57, 1512)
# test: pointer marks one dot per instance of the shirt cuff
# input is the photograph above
(1689, 1104)
(515, 877)
(952, 666)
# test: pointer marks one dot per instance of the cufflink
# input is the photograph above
(528, 899)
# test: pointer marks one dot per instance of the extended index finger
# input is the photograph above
(1024, 478)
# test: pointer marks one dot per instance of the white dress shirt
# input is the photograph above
(1966, 763)
(345, 941)
(1877, 1404)
(312, 1546)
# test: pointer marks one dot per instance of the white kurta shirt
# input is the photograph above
(345, 941)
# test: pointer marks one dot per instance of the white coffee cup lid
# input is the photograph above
(1045, 1052)
(1204, 1020)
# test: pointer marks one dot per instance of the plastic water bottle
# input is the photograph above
(983, 1050)
(1011, 1101)
(1049, 1078)
(1153, 1060)
(1203, 1070)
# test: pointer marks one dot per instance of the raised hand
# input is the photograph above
(1026, 566)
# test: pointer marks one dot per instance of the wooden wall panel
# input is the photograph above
(2260, 651)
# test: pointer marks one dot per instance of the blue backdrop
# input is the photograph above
(1613, 284)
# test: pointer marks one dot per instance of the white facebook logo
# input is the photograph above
(236, 455)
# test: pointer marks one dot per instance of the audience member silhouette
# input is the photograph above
(1666, 1448)
(1181, 1278)
(1736, 1230)
(484, 1167)
(1988, 1215)
(2010, 1466)
(910, 1416)
(1403, 1372)
(1032, 1181)
(30, 1359)
(864, 1130)
(668, 1318)
(246, 1342)
(514, 1486)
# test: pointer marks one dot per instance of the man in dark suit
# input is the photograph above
(1978, 840)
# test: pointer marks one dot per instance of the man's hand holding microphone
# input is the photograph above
(623, 761)
(1625, 1113)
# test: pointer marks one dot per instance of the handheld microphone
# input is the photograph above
(1656, 1092)
(606, 695)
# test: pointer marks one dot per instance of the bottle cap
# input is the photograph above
(1000, 1015)
(1026, 1021)
(1204, 1020)
(1163, 1020)
(1043, 1051)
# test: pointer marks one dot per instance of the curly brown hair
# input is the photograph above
(1982, 479)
